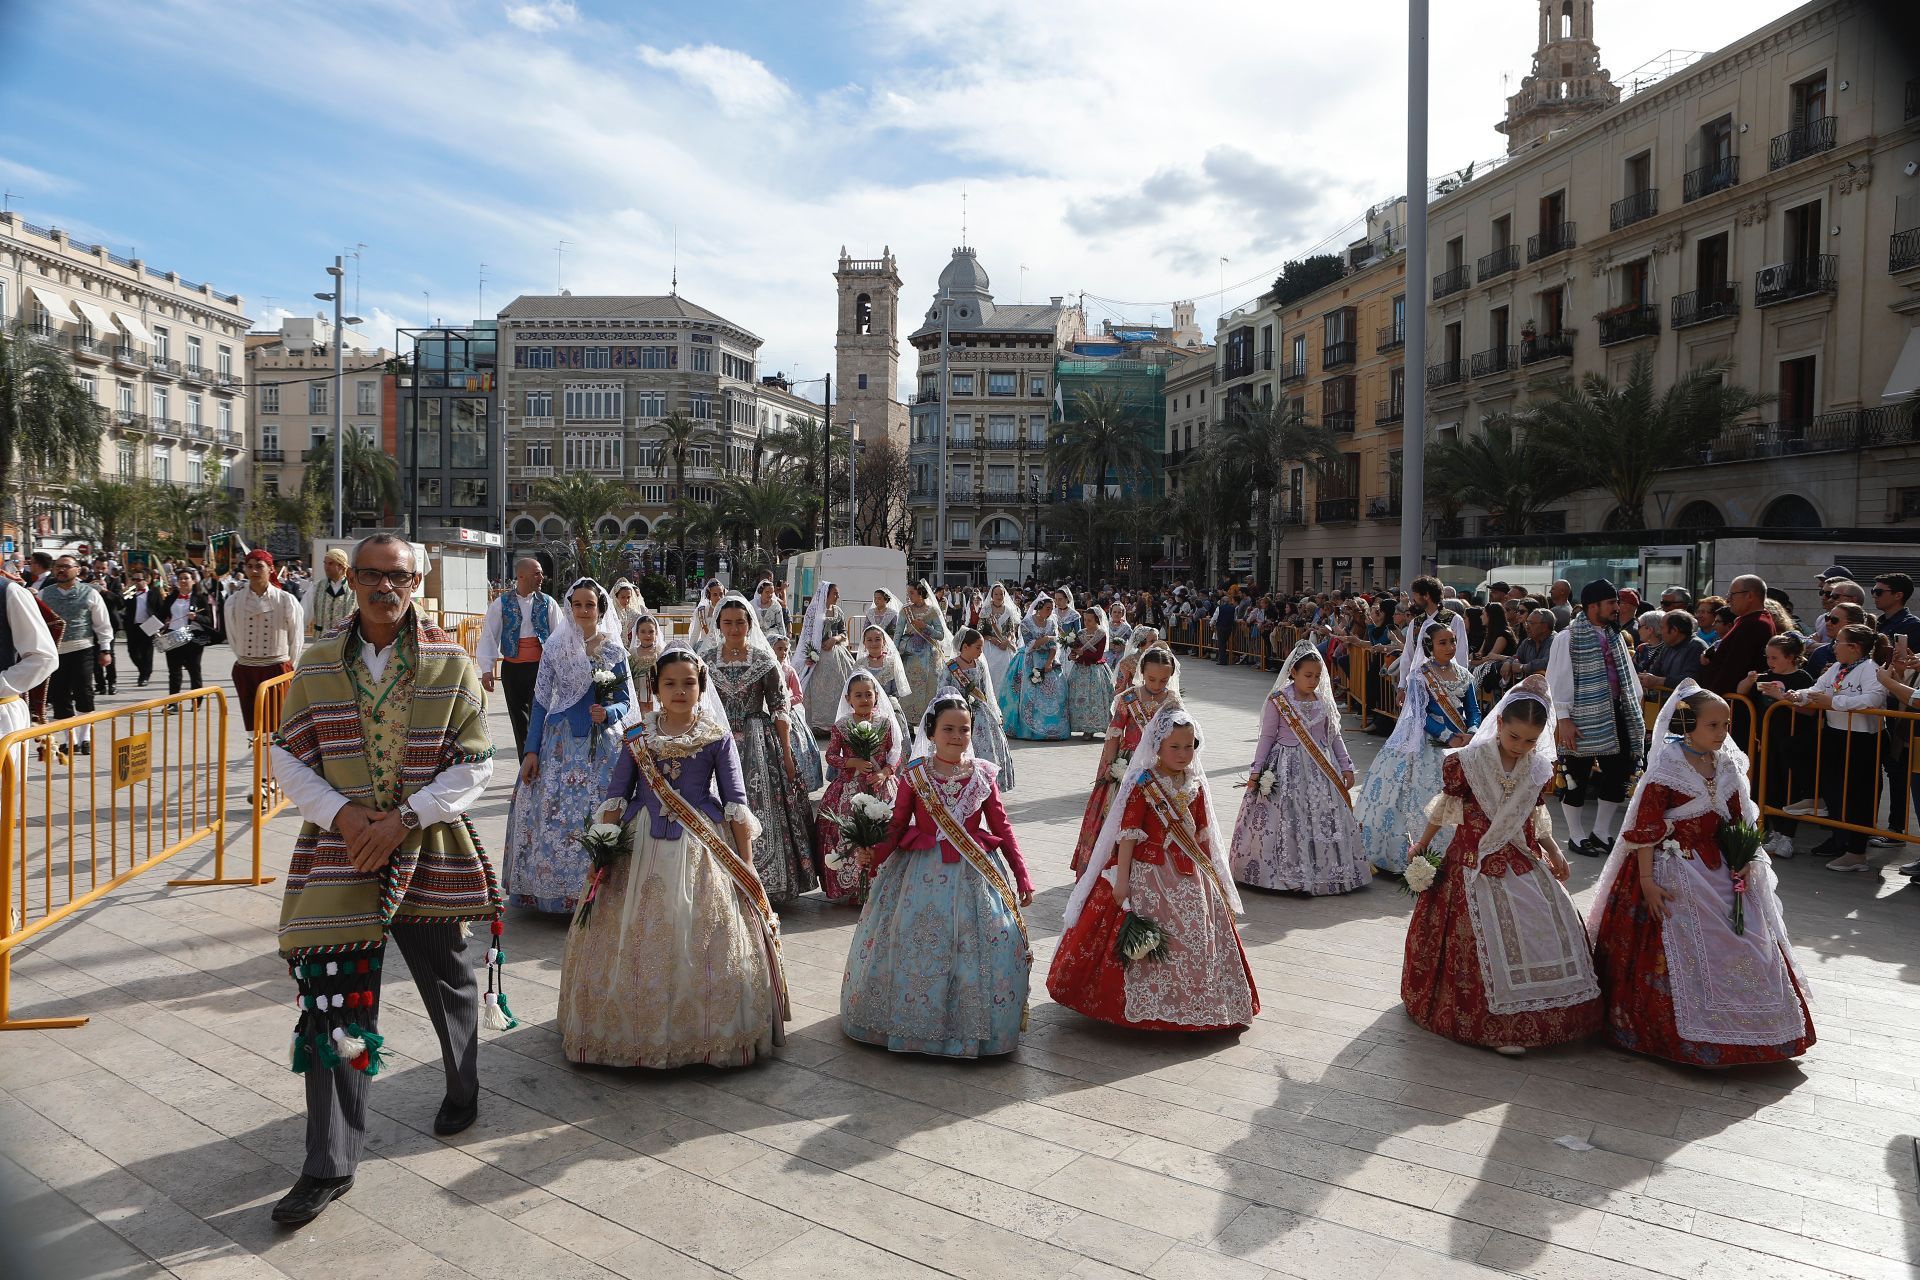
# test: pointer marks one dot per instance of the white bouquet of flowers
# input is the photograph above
(1118, 769)
(864, 825)
(1264, 784)
(1423, 868)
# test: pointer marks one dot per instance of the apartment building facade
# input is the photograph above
(162, 356)
(290, 401)
(1751, 208)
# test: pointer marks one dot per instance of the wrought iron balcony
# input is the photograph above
(1557, 238)
(1635, 208)
(1798, 278)
(1392, 337)
(1448, 373)
(1624, 324)
(1803, 140)
(1792, 437)
(1495, 360)
(196, 373)
(130, 356)
(1716, 302)
(1290, 515)
(1391, 409)
(1335, 354)
(161, 364)
(1452, 280)
(1709, 178)
(1333, 510)
(275, 454)
(1293, 371)
(1339, 420)
(1387, 508)
(1499, 262)
(1903, 250)
(1548, 346)
(89, 348)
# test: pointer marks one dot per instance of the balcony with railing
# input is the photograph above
(1499, 262)
(86, 348)
(1335, 354)
(126, 422)
(1335, 510)
(1840, 432)
(1797, 278)
(1387, 508)
(1803, 140)
(1637, 207)
(129, 355)
(164, 426)
(229, 438)
(1392, 337)
(164, 366)
(1293, 371)
(196, 373)
(1289, 514)
(1339, 420)
(1494, 361)
(1557, 238)
(1903, 250)
(1447, 373)
(1548, 346)
(1390, 409)
(1452, 280)
(1624, 324)
(275, 454)
(1716, 302)
(1714, 176)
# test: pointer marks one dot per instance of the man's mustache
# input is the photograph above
(386, 597)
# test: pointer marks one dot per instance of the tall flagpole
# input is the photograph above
(1413, 432)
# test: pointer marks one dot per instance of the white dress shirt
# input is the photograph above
(487, 654)
(264, 627)
(452, 792)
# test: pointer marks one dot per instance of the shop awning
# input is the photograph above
(96, 315)
(135, 330)
(1906, 370)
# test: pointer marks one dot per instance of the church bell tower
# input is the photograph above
(867, 348)
(1567, 83)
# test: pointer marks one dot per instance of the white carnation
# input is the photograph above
(1420, 875)
(834, 860)
(1266, 783)
(604, 831)
(605, 679)
(1118, 771)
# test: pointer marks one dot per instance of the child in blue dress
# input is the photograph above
(1440, 712)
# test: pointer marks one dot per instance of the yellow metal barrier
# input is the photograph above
(1826, 770)
(169, 758)
(268, 798)
(467, 636)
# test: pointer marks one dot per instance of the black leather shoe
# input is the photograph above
(1592, 847)
(453, 1117)
(308, 1198)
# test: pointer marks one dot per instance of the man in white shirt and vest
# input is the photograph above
(86, 642)
(513, 636)
(329, 598)
(264, 626)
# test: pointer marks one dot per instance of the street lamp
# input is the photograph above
(339, 399)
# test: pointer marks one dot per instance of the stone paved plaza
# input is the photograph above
(1332, 1139)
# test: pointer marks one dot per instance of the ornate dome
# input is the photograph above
(964, 274)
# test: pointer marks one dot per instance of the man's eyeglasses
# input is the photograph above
(1882, 591)
(380, 577)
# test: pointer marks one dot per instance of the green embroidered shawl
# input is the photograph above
(439, 873)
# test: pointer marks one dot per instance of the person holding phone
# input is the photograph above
(1790, 760)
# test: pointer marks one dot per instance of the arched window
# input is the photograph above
(863, 314)
(554, 527)
(1000, 532)
(1566, 19)
(1700, 515)
(525, 530)
(636, 528)
(1790, 511)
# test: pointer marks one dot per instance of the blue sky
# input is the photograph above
(1119, 149)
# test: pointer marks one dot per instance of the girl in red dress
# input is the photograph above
(1680, 982)
(862, 701)
(1157, 858)
(1158, 687)
(1496, 953)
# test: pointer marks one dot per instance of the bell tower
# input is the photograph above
(1567, 83)
(867, 347)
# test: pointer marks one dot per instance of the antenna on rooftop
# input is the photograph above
(559, 252)
(675, 288)
(963, 213)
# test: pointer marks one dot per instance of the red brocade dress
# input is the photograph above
(1133, 711)
(1631, 948)
(1205, 983)
(1546, 986)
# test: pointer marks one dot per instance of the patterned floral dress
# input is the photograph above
(1089, 684)
(843, 883)
(1445, 983)
(754, 693)
(1036, 712)
(1205, 984)
(939, 961)
(921, 634)
(830, 672)
(1133, 711)
(1302, 835)
(1633, 951)
(1393, 799)
(545, 867)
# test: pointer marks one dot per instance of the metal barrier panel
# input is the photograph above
(152, 786)
(268, 798)
(1862, 751)
(467, 636)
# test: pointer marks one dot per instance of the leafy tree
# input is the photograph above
(50, 429)
(582, 501)
(1254, 447)
(107, 509)
(1102, 442)
(799, 446)
(1502, 469)
(372, 475)
(766, 507)
(1618, 438)
(1303, 276)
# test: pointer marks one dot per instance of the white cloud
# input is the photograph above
(38, 181)
(543, 15)
(739, 83)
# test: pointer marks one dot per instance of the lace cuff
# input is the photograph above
(1445, 810)
(740, 813)
(1130, 833)
(1113, 733)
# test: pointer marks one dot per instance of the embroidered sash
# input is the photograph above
(1180, 830)
(1441, 700)
(964, 682)
(1299, 727)
(700, 828)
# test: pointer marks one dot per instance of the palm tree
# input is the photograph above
(766, 508)
(801, 446)
(1253, 448)
(1619, 438)
(1088, 527)
(106, 509)
(372, 474)
(50, 429)
(1103, 442)
(1502, 469)
(678, 435)
(582, 501)
(179, 511)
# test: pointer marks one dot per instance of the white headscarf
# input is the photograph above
(981, 675)
(923, 745)
(891, 671)
(884, 616)
(1480, 762)
(710, 704)
(704, 614)
(1163, 724)
(812, 631)
(756, 635)
(1324, 690)
(1099, 626)
(566, 672)
(1134, 653)
(1412, 725)
(884, 712)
